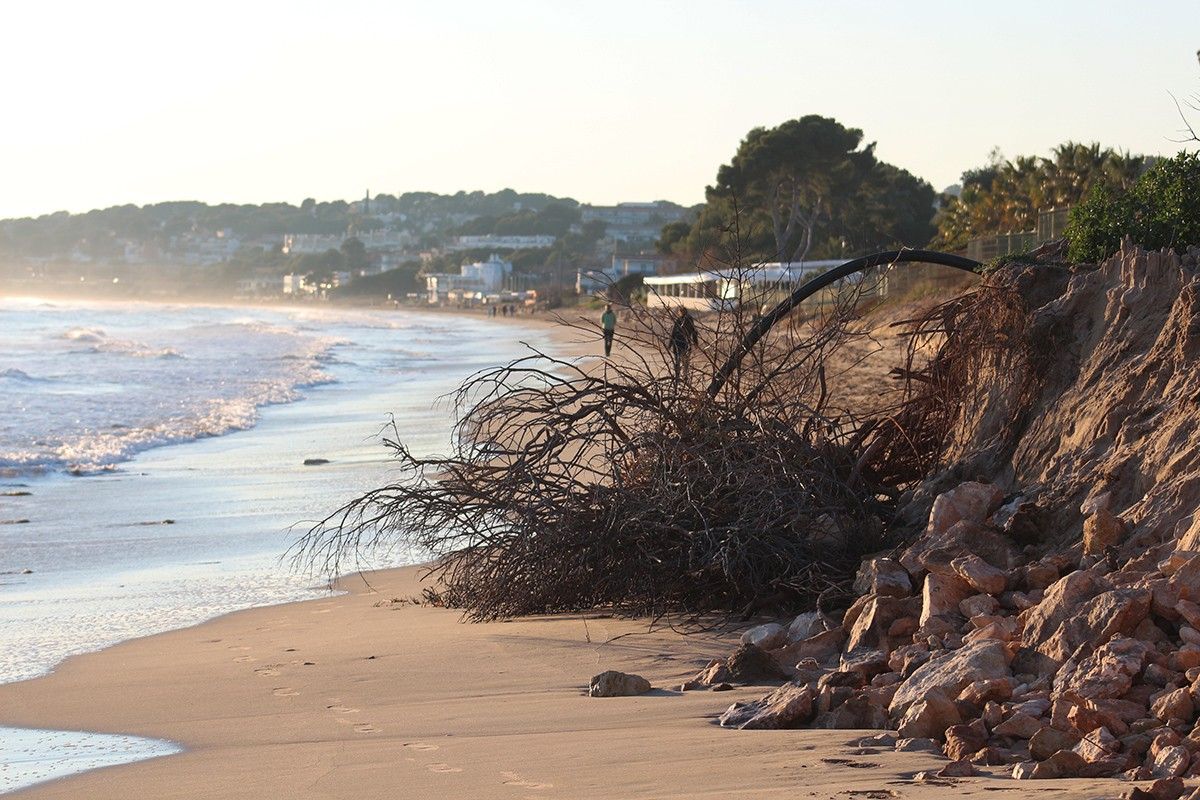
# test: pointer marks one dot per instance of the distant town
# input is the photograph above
(468, 249)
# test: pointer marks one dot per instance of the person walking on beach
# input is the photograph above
(608, 321)
(683, 336)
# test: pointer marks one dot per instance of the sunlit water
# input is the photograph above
(107, 533)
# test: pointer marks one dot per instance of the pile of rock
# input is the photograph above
(1064, 665)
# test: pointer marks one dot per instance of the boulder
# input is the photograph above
(751, 664)
(1061, 602)
(822, 648)
(1101, 530)
(883, 577)
(1174, 705)
(952, 672)
(963, 741)
(1063, 764)
(1049, 741)
(929, 717)
(1171, 762)
(1095, 621)
(941, 596)
(857, 713)
(617, 684)
(1019, 726)
(979, 605)
(872, 627)
(1106, 673)
(789, 706)
(810, 623)
(979, 574)
(920, 745)
(971, 501)
(768, 636)
(1097, 745)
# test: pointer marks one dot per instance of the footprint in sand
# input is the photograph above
(343, 709)
(442, 768)
(422, 746)
(513, 779)
(244, 659)
(267, 672)
(285, 691)
(366, 728)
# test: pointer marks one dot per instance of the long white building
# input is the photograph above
(711, 290)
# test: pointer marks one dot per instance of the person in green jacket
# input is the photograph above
(608, 321)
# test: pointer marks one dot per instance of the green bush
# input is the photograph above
(1161, 210)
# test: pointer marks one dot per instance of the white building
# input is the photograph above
(591, 281)
(712, 290)
(493, 242)
(473, 281)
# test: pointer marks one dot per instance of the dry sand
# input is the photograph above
(358, 697)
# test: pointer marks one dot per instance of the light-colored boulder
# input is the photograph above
(970, 501)
(929, 717)
(1062, 600)
(941, 595)
(1174, 705)
(873, 625)
(810, 623)
(979, 605)
(768, 636)
(1107, 673)
(951, 672)
(979, 574)
(884, 577)
(617, 684)
(1019, 726)
(1097, 620)
(1171, 762)
(789, 706)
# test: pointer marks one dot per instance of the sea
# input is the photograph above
(153, 467)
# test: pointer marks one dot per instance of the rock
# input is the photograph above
(929, 717)
(822, 647)
(872, 626)
(883, 577)
(854, 680)
(1019, 726)
(1096, 621)
(315, 462)
(958, 769)
(1167, 789)
(768, 636)
(810, 623)
(750, 664)
(884, 739)
(962, 741)
(1171, 762)
(951, 673)
(1174, 705)
(1061, 602)
(789, 706)
(722, 687)
(857, 713)
(979, 574)
(617, 684)
(969, 501)
(1101, 530)
(1039, 575)
(1106, 673)
(919, 745)
(1097, 745)
(1189, 611)
(979, 605)
(1023, 770)
(1063, 764)
(941, 595)
(1049, 741)
(867, 663)
(980, 692)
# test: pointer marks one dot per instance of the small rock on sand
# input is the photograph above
(617, 684)
(315, 462)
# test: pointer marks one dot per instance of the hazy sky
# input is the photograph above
(129, 102)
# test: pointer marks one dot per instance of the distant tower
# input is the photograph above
(367, 202)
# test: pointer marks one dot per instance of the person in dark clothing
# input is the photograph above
(683, 336)
(608, 321)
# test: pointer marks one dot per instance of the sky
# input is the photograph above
(604, 101)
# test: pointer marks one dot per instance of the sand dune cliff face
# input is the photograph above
(1117, 409)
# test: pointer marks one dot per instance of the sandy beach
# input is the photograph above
(358, 696)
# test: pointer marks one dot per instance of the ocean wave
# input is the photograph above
(21, 376)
